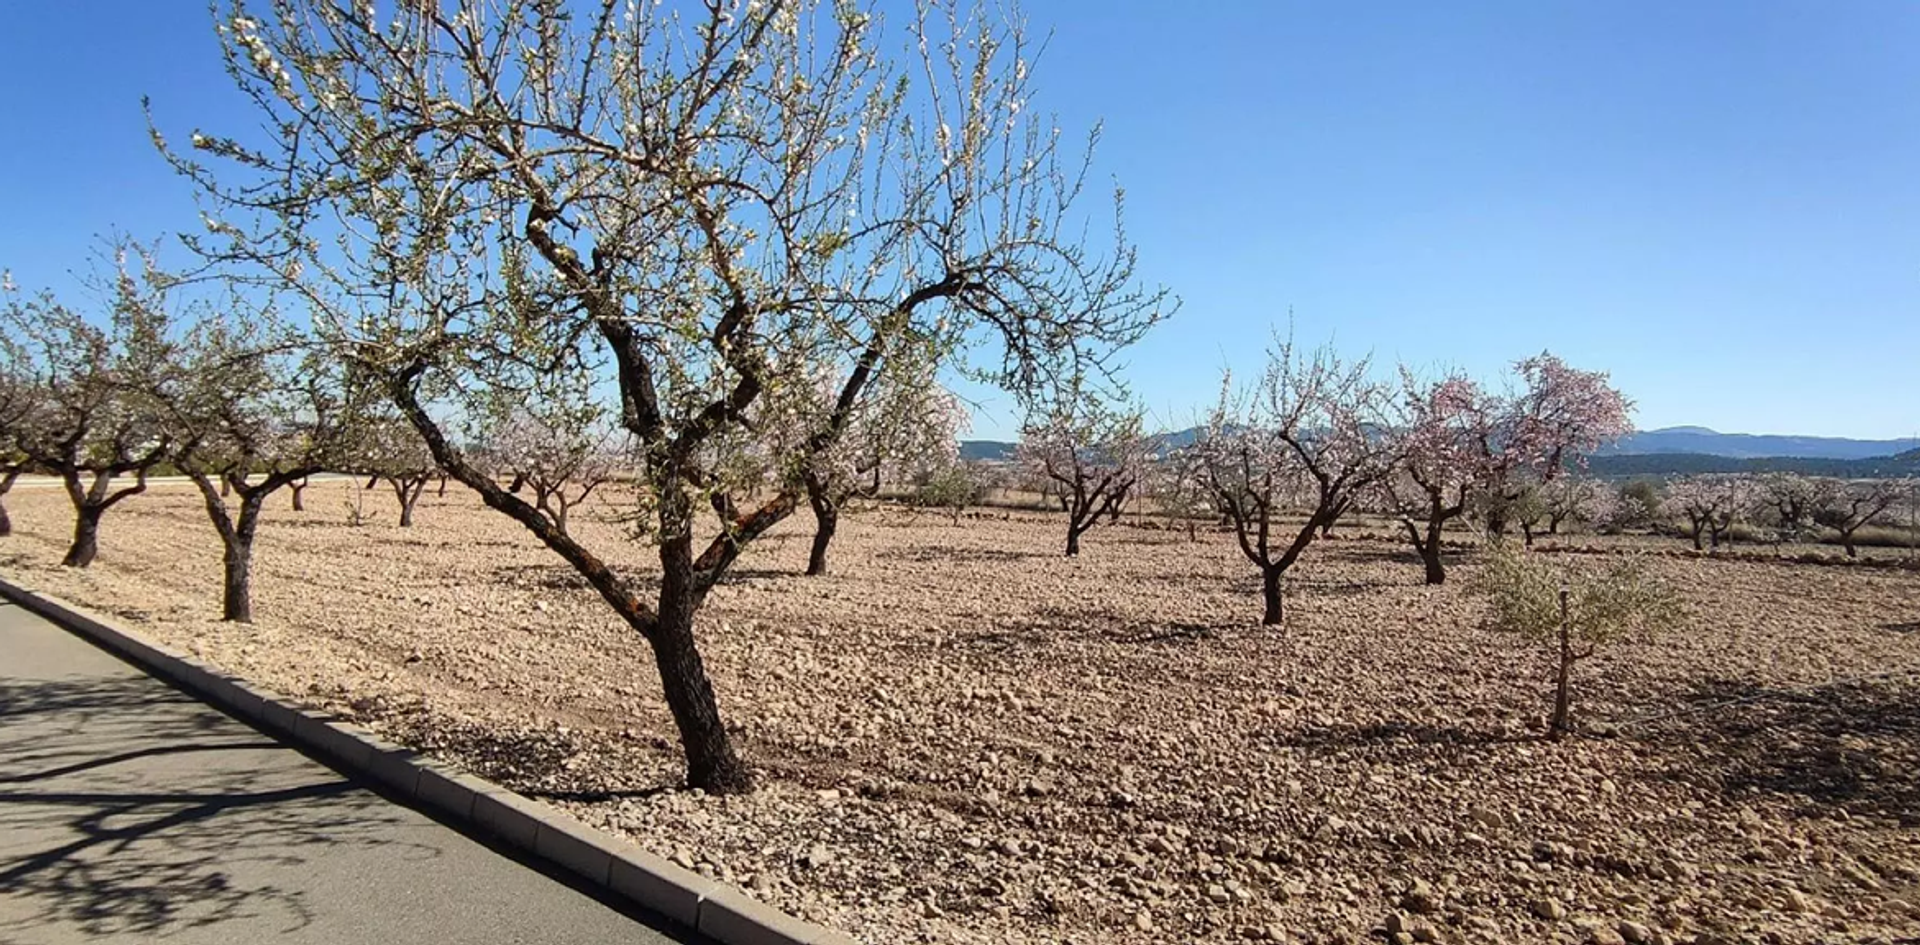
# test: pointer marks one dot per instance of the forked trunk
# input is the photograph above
(407, 491)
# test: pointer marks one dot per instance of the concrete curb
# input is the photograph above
(473, 805)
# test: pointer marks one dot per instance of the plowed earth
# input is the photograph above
(964, 737)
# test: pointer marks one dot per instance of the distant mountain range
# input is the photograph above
(1682, 451)
(1707, 442)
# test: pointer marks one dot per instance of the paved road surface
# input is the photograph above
(132, 813)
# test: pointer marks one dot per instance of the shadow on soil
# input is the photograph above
(97, 844)
(944, 554)
(1851, 746)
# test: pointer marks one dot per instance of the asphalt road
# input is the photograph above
(132, 813)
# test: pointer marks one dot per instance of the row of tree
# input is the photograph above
(718, 249)
(1323, 436)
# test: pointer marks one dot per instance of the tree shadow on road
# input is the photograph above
(94, 842)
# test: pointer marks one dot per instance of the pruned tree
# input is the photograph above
(562, 447)
(1709, 505)
(254, 412)
(1575, 609)
(903, 427)
(1176, 483)
(673, 191)
(1795, 500)
(1091, 447)
(389, 449)
(1442, 428)
(1548, 426)
(1307, 436)
(1848, 506)
(96, 421)
(1577, 499)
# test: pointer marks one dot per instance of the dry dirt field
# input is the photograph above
(966, 738)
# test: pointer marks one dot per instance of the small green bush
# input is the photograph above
(1574, 607)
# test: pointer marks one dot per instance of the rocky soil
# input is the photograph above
(964, 737)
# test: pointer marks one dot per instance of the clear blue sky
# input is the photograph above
(1719, 202)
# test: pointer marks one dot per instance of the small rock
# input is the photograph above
(1797, 901)
(1143, 921)
(817, 857)
(1420, 898)
(1549, 909)
(1634, 933)
(1218, 893)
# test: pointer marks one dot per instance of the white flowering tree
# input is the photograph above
(1307, 437)
(1556, 417)
(95, 421)
(1581, 499)
(1176, 483)
(1091, 447)
(387, 448)
(560, 457)
(1442, 428)
(254, 411)
(1795, 500)
(1709, 506)
(902, 427)
(672, 191)
(1847, 506)
(18, 398)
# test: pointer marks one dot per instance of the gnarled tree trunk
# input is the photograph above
(6, 486)
(826, 519)
(86, 536)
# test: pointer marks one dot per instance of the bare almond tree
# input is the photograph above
(675, 191)
(96, 420)
(1306, 437)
